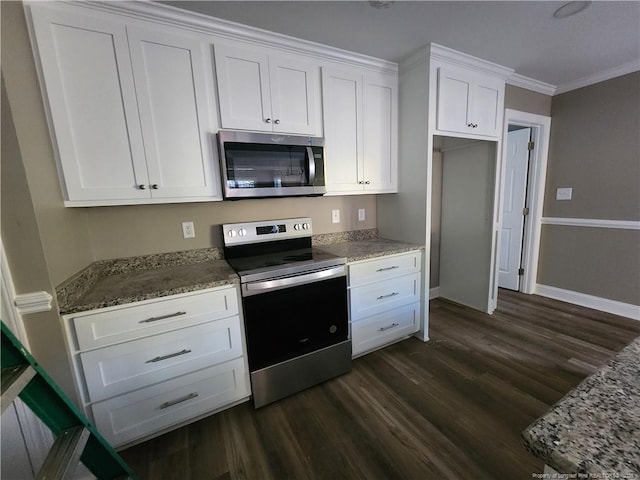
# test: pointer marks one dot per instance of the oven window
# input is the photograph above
(287, 323)
(262, 166)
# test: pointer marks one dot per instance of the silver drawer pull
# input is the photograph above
(178, 400)
(387, 268)
(162, 317)
(381, 297)
(171, 355)
(382, 329)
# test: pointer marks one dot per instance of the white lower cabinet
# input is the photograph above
(145, 367)
(127, 417)
(384, 298)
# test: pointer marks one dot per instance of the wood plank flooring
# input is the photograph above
(451, 408)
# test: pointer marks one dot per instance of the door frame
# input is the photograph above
(540, 132)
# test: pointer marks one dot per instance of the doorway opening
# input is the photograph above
(525, 150)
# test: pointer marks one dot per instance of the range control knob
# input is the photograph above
(231, 233)
(242, 232)
(297, 226)
(305, 226)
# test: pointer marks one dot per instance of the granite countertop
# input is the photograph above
(356, 250)
(116, 282)
(108, 283)
(595, 429)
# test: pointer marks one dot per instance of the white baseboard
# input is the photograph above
(603, 304)
(434, 293)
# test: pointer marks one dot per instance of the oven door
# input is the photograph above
(294, 320)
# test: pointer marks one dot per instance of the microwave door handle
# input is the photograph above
(312, 166)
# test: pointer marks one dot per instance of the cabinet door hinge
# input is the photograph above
(521, 271)
(530, 145)
(525, 211)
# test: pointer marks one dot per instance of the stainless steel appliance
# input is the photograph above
(270, 165)
(294, 298)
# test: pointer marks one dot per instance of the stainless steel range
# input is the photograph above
(294, 298)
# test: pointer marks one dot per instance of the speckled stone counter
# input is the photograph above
(356, 250)
(595, 429)
(116, 282)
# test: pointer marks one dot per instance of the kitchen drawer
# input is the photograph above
(143, 412)
(383, 268)
(137, 321)
(120, 368)
(387, 327)
(378, 297)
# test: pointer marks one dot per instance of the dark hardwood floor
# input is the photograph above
(451, 408)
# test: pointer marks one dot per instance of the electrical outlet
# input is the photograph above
(335, 216)
(564, 193)
(361, 216)
(188, 231)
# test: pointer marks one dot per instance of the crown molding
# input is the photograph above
(608, 74)
(521, 81)
(207, 25)
(448, 55)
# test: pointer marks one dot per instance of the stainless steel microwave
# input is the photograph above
(256, 165)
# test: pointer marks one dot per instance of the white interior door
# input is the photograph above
(513, 202)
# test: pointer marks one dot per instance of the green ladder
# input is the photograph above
(76, 439)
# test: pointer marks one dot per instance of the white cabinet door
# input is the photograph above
(243, 86)
(89, 85)
(173, 101)
(469, 103)
(293, 95)
(360, 130)
(454, 101)
(487, 101)
(380, 120)
(342, 102)
(266, 92)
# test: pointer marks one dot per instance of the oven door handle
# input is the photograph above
(254, 288)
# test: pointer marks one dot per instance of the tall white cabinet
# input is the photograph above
(449, 94)
(129, 108)
(360, 129)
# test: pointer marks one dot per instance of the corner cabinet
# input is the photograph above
(469, 102)
(267, 92)
(384, 299)
(360, 129)
(145, 368)
(129, 108)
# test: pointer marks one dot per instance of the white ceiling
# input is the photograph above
(519, 34)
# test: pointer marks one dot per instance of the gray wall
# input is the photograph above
(595, 149)
(517, 98)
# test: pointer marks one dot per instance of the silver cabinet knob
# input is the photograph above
(277, 122)
(472, 125)
(154, 186)
(142, 187)
(367, 182)
(267, 120)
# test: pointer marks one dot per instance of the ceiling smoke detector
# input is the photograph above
(570, 9)
(380, 5)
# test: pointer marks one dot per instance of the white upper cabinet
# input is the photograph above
(267, 92)
(469, 103)
(129, 109)
(172, 100)
(92, 101)
(360, 129)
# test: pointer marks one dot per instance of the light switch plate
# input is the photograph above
(335, 216)
(564, 193)
(361, 215)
